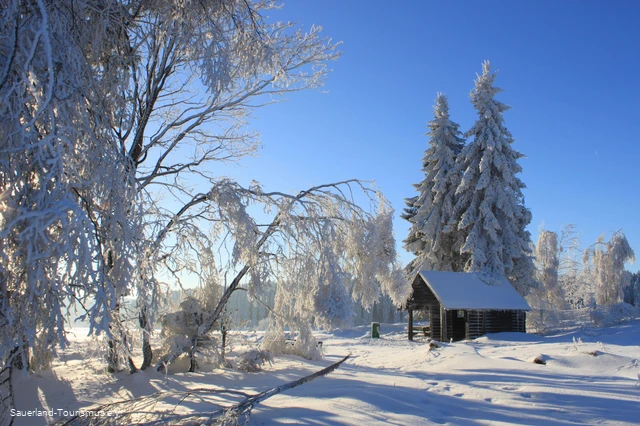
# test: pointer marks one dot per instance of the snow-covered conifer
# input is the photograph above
(489, 209)
(634, 289)
(413, 238)
(430, 211)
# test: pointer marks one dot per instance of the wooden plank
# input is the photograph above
(424, 330)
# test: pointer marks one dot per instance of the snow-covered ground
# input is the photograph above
(591, 376)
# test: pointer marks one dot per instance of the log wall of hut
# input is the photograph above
(475, 324)
(520, 322)
(499, 321)
(483, 322)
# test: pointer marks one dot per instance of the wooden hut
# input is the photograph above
(462, 306)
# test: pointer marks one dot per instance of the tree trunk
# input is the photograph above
(19, 357)
(193, 366)
(224, 341)
(112, 346)
(112, 356)
(147, 353)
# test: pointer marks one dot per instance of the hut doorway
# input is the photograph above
(460, 325)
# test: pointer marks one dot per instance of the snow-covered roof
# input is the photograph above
(460, 290)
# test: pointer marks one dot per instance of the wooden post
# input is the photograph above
(410, 325)
(443, 324)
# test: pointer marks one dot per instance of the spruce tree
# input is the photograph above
(411, 243)
(489, 211)
(430, 211)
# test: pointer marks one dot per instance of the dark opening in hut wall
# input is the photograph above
(456, 321)
(423, 300)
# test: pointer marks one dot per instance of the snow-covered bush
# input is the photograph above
(253, 360)
(604, 316)
(181, 330)
(543, 317)
(263, 324)
(186, 320)
(302, 343)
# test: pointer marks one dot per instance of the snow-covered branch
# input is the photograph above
(323, 250)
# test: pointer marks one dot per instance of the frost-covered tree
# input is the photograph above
(430, 212)
(608, 268)
(413, 238)
(323, 251)
(547, 255)
(194, 77)
(113, 116)
(57, 157)
(548, 297)
(572, 274)
(489, 208)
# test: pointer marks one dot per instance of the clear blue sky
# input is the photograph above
(569, 69)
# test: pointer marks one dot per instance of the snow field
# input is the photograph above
(590, 377)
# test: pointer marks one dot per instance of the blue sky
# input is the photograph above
(570, 70)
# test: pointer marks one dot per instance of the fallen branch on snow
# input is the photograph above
(143, 411)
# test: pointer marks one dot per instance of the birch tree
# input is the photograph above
(56, 153)
(323, 250)
(114, 115)
(572, 275)
(547, 257)
(608, 268)
(548, 297)
(203, 69)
